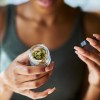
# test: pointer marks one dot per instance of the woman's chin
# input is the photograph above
(46, 6)
(45, 3)
(45, 10)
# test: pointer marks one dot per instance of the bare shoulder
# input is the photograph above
(2, 20)
(91, 23)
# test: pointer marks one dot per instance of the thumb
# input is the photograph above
(23, 58)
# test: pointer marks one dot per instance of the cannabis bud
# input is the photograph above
(39, 55)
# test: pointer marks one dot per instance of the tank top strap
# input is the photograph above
(8, 21)
(81, 26)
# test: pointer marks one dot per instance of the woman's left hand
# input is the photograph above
(92, 59)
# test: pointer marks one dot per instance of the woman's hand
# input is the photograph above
(20, 78)
(92, 59)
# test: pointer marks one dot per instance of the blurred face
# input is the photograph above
(46, 6)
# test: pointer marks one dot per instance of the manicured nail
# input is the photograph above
(87, 38)
(75, 47)
(52, 90)
(76, 52)
(50, 67)
(94, 34)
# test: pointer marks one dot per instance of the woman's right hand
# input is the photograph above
(21, 78)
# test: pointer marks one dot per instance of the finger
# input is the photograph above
(32, 70)
(94, 43)
(92, 56)
(37, 95)
(97, 36)
(26, 78)
(90, 64)
(24, 57)
(33, 84)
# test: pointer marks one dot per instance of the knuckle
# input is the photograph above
(96, 44)
(86, 59)
(36, 76)
(87, 53)
(28, 70)
(94, 64)
(15, 66)
(24, 69)
(39, 68)
(36, 84)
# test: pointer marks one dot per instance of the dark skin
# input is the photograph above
(43, 31)
(40, 32)
(34, 26)
(48, 34)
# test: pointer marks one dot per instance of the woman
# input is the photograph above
(60, 28)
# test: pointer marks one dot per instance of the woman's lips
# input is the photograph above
(45, 3)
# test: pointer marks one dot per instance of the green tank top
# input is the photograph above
(69, 70)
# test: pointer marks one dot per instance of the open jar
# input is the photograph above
(39, 55)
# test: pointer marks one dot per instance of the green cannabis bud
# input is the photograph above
(39, 55)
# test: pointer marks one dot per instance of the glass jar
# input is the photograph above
(39, 55)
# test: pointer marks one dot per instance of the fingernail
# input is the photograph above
(94, 34)
(76, 52)
(52, 90)
(50, 67)
(87, 38)
(75, 47)
(52, 63)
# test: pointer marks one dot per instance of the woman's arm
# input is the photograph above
(89, 92)
(93, 93)
(92, 59)
(91, 25)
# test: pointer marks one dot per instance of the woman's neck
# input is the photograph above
(49, 19)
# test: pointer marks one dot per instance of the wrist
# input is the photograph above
(3, 85)
(94, 87)
(5, 92)
(93, 93)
